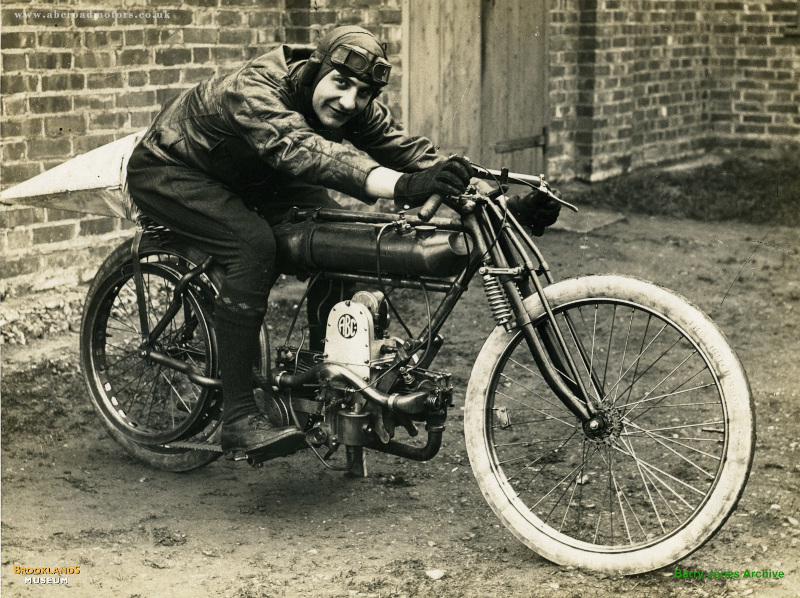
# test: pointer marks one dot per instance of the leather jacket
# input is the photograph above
(256, 127)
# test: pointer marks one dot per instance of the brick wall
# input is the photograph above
(79, 76)
(631, 82)
(754, 70)
(635, 82)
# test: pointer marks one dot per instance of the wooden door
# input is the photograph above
(443, 73)
(475, 77)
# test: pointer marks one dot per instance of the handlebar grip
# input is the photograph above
(428, 210)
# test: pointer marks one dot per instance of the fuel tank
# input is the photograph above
(424, 250)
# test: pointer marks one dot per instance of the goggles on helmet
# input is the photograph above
(361, 62)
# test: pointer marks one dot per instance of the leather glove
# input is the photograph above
(450, 177)
(536, 210)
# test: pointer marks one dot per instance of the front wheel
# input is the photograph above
(670, 461)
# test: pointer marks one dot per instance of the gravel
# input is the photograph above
(40, 315)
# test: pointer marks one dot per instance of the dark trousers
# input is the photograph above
(223, 223)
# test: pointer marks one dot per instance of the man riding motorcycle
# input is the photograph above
(224, 159)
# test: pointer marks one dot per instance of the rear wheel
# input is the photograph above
(668, 458)
(143, 404)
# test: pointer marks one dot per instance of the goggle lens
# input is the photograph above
(359, 63)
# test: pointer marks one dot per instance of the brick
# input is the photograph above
(237, 37)
(107, 120)
(18, 40)
(138, 78)
(13, 151)
(27, 264)
(391, 15)
(52, 60)
(27, 127)
(173, 56)
(87, 143)
(304, 18)
(783, 109)
(230, 18)
(94, 102)
(195, 35)
(297, 35)
(201, 55)
(264, 19)
(59, 39)
(142, 120)
(94, 60)
(136, 99)
(134, 37)
(50, 104)
(133, 57)
(20, 216)
(179, 17)
(14, 62)
(165, 95)
(18, 83)
(152, 37)
(97, 226)
(104, 81)
(757, 118)
(17, 239)
(788, 130)
(63, 82)
(14, 106)
(164, 76)
(227, 54)
(99, 18)
(10, 19)
(56, 215)
(49, 148)
(16, 173)
(96, 39)
(53, 233)
(57, 126)
(196, 75)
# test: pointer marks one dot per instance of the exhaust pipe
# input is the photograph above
(410, 404)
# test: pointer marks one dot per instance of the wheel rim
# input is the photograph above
(147, 402)
(656, 454)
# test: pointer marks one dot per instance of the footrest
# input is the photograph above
(197, 446)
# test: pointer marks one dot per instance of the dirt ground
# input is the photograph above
(72, 498)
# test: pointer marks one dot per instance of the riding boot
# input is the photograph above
(238, 318)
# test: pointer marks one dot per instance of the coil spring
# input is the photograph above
(497, 300)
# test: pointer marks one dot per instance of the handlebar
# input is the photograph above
(430, 207)
(489, 174)
(537, 182)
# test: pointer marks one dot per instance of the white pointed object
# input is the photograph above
(92, 183)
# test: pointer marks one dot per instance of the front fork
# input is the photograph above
(575, 396)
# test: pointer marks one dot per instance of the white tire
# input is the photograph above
(673, 458)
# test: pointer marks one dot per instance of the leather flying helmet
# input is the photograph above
(351, 50)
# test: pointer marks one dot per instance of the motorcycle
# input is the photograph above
(608, 422)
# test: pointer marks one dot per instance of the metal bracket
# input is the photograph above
(521, 143)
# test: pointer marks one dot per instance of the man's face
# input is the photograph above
(337, 98)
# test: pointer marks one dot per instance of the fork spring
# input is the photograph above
(497, 300)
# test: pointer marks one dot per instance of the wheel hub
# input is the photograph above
(604, 427)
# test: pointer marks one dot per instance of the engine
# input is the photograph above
(359, 358)
(357, 337)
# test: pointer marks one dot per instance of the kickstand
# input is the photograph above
(356, 462)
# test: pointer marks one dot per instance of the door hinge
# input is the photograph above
(521, 143)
